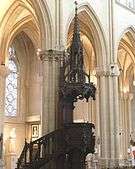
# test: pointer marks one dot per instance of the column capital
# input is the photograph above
(129, 96)
(4, 71)
(126, 96)
(49, 55)
(111, 69)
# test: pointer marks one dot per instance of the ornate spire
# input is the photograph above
(76, 42)
(76, 52)
(73, 86)
(76, 33)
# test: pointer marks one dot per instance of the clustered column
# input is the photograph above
(130, 99)
(125, 123)
(108, 115)
(4, 71)
(51, 66)
(103, 117)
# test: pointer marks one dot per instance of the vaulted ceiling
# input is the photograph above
(17, 16)
(126, 60)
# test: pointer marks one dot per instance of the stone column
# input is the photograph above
(109, 113)
(103, 118)
(4, 71)
(131, 96)
(121, 130)
(97, 122)
(126, 126)
(114, 119)
(51, 65)
(113, 72)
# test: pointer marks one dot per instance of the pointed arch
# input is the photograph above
(96, 30)
(126, 58)
(36, 18)
(129, 32)
(126, 62)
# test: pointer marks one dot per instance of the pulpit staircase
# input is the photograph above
(64, 148)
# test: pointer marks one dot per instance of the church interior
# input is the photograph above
(49, 49)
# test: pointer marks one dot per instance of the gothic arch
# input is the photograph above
(46, 23)
(97, 33)
(126, 62)
(36, 18)
(125, 50)
(130, 31)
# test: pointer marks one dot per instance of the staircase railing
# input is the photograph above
(42, 149)
(59, 148)
(22, 159)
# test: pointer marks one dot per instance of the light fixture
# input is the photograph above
(125, 89)
(133, 82)
(13, 133)
(38, 51)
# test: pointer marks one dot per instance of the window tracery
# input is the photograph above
(127, 3)
(11, 86)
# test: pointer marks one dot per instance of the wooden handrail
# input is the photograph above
(57, 146)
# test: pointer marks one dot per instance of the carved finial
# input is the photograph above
(76, 24)
(76, 3)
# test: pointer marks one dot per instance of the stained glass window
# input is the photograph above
(11, 86)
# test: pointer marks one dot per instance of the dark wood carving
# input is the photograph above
(64, 148)
(73, 85)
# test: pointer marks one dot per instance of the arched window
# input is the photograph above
(11, 86)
